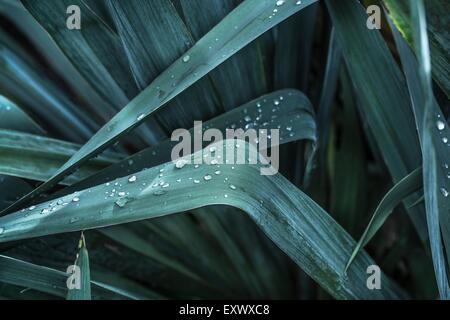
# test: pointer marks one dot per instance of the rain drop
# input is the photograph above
(140, 117)
(181, 163)
(207, 177)
(440, 125)
(444, 192)
(121, 202)
(132, 179)
(232, 187)
(280, 3)
(186, 58)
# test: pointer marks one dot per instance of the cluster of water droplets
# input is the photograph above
(441, 125)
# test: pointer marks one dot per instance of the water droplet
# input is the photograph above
(32, 208)
(196, 181)
(207, 177)
(159, 192)
(258, 105)
(276, 102)
(121, 202)
(289, 128)
(444, 139)
(298, 3)
(140, 117)
(217, 172)
(280, 3)
(45, 211)
(247, 119)
(76, 199)
(181, 163)
(132, 179)
(186, 58)
(275, 10)
(165, 185)
(232, 187)
(440, 125)
(74, 219)
(444, 192)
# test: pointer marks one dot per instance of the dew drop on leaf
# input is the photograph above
(440, 125)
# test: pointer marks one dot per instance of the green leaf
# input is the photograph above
(13, 118)
(37, 157)
(293, 221)
(82, 262)
(382, 94)
(28, 275)
(437, 27)
(401, 190)
(251, 19)
(433, 131)
(294, 115)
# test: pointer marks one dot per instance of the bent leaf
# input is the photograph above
(404, 188)
(240, 27)
(293, 221)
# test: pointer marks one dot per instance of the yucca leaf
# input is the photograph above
(136, 20)
(251, 19)
(13, 118)
(243, 76)
(401, 190)
(292, 220)
(82, 262)
(289, 110)
(382, 92)
(433, 131)
(30, 88)
(37, 158)
(28, 275)
(95, 49)
(439, 38)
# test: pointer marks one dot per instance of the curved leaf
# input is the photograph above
(293, 221)
(37, 158)
(241, 26)
(404, 188)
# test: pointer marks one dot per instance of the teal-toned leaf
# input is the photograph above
(83, 292)
(382, 93)
(433, 131)
(437, 27)
(401, 190)
(13, 118)
(293, 221)
(294, 116)
(251, 19)
(37, 158)
(28, 275)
